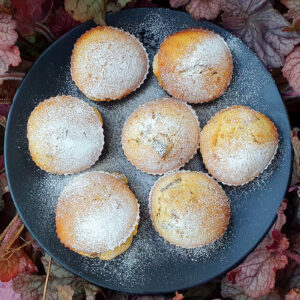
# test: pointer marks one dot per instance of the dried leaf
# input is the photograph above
(90, 291)
(261, 27)
(230, 290)
(84, 10)
(6, 291)
(293, 13)
(9, 54)
(291, 69)
(64, 292)
(61, 276)
(61, 22)
(29, 12)
(14, 262)
(256, 275)
(3, 183)
(11, 235)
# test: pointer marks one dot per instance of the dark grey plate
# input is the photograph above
(151, 265)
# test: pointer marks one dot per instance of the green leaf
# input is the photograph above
(84, 10)
(56, 271)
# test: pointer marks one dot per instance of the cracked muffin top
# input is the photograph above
(97, 215)
(108, 63)
(193, 65)
(189, 209)
(237, 144)
(65, 135)
(161, 135)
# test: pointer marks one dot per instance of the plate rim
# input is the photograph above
(57, 259)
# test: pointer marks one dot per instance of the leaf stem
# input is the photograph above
(44, 30)
(3, 234)
(12, 76)
(47, 279)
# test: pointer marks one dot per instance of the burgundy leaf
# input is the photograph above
(230, 290)
(256, 275)
(261, 27)
(204, 9)
(291, 69)
(61, 22)
(9, 53)
(29, 12)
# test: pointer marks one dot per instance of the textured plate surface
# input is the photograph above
(151, 265)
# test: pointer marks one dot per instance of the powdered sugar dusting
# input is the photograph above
(245, 163)
(110, 69)
(61, 125)
(161, 135)
(209, 53)
(151, 261)
(237, 144)
(189, 208)
(201, 72)
(102, 212)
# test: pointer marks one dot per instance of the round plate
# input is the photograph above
(151, 265)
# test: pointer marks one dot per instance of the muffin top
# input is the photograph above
(96, 212)
(237, 144)
(161, 135)
(189, 209)
(194, 65)
(65, 135)
(108, 63)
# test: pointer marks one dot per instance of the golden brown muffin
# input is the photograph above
(108, 63)
(193, 65)
(189, 209)
(97, 215)
(65, 135)
(161, 135)
(237, 144)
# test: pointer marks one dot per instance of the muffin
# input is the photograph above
(193, 65)
(65, 135)
(108, 63)
(237, 144)
(97, 215)
(189, 209)
(161, 135)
